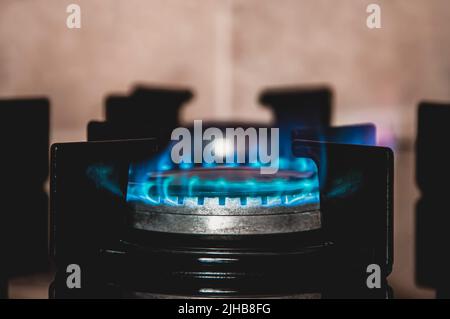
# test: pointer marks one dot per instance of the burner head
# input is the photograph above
(229, 196)
(225, 200)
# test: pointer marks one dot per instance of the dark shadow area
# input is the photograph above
(146, 112)
(298, 107)
(24, 131)
(432, 218)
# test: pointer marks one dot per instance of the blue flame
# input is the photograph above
(104, 176)
(158, 181)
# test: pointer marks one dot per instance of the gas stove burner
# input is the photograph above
(139, 227)
(225, 200)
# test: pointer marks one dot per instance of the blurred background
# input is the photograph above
(227, 51)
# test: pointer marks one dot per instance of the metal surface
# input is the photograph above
(227, 224)
(144, 295)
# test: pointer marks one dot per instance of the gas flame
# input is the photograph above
(159, 181)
